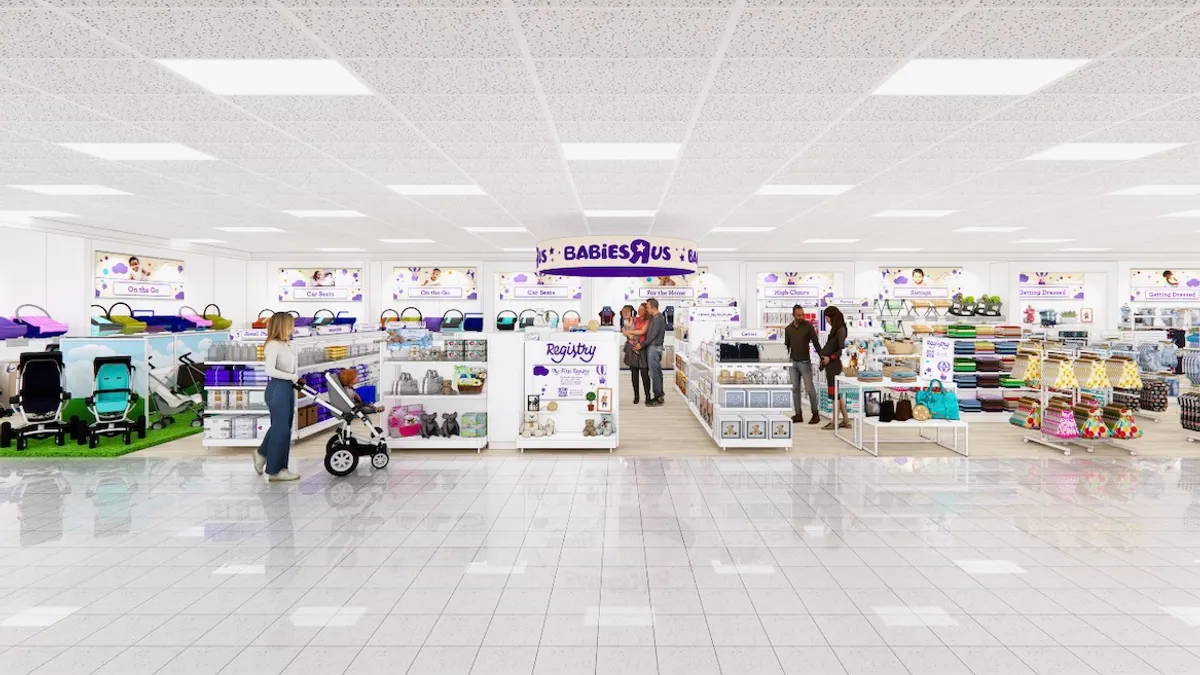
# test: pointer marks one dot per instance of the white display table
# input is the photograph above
(861, 422)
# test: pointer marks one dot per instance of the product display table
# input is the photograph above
(860, 422)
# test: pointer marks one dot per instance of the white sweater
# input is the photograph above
(280, 360)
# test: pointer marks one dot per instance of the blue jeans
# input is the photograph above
(654, 357)
(277, 444)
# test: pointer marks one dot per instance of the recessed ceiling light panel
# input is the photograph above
(988, 230)
(915, 213)
(743, 229)
(70, 190)
(408, 241)
(976, 77)
(269, 77)
(139, 152)
(619, 213)
(1101, 152)
(802, 190)
(1194, 213)
(324, 213)
(620, 152)
(1052, 240)
(438, 190)
(1159, 190)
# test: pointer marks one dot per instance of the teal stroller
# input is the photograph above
(112, 401)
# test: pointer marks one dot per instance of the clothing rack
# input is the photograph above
(1046, 393)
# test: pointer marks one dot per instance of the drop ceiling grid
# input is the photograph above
(608, 73)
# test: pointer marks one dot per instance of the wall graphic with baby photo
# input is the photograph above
(920, 283)
(434, 283)
(125, 276)
(1164, 285)
(328, 284)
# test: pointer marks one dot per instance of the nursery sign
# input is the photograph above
(1050, 286)
(119, 275)
(325, 284)
(576, 351)
(533, 286)
(434, 283)
(921, 283)
(618, 256)
(1158, 285)
(794, 285)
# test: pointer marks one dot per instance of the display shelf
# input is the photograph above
(263, 412)
(236, 387)
(388, 362)
(751, 411)
(396, 397)
(453, 443)
(753, 443)
(233, 442)
(305, 432)
(324, 365)
(752, 386)
(567, 441)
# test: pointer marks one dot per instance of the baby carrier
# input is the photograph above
(112, 401)
(39, 401)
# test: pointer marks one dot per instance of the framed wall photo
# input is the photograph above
(604, 399)
(533, 403)
(1085, 315)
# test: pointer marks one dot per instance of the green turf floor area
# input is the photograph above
(110, 446)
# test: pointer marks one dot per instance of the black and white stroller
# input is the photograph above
(40, 399)
(345, 447)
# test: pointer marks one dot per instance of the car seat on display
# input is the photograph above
(129, 324)
(218, 322)
(506, 322)
(452, 321)
(193, 319)
(260, 322)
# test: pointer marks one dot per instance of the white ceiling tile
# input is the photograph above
(84, 132)
(755, 132)
(308, 109)
(202, 33)
(602, 77)
(748, 108)
(627, 132)
(623, 33)
(151, 108)
(644, 108)
(350, 132)
(1180, 39)
(113, 77)
(42, 34)
(1080, 108)
(1042, 33)
(39, 108)
(486, 132)
(817, 77)
(1131, 76)
(466, 108)
(833, 33)
(927, 108)
(413, 34)
(1047, 133)
(411, 77)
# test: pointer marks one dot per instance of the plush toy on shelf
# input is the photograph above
(429, 426)
(606, 426)
(548, 427)
(450, 425)
(589, 427)
(530, 428)
(448, 389)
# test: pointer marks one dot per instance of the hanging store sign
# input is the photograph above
(119, 275)
(312, 285)
(921, 283)
(434, 283)
(617, 256)
(530, 286)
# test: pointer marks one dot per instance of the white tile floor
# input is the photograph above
(602, 565)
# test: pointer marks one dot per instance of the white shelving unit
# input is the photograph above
(298, 433)
(570, 352)
(390, 370)
(711, 392)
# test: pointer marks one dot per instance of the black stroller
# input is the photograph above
(40, 400)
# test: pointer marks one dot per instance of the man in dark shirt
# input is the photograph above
(656, 333)
(801, 338)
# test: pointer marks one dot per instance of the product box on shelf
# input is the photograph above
(244, 428)
(474, 425)
(781, 428)
(755, 427)
(730, 427)
(734, 398)
(759, 398)
(261, 424)
(218, 428)
(781, 398)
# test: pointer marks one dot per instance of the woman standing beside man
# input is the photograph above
(633, 327)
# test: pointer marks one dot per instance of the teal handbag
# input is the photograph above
(942, 403)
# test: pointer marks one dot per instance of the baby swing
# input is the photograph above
(112, 401)
(39, 402)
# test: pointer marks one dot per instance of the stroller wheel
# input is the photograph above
(5, 435)
(169, 421)
(60, 438)
(157, 425)
(93, 441)
(197, 423)
(128, 438)
(22, 442)
(341, 462)
(380, 460)
(75, 428)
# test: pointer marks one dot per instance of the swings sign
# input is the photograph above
(617, 256)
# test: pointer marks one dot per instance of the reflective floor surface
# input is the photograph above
(603, 565)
